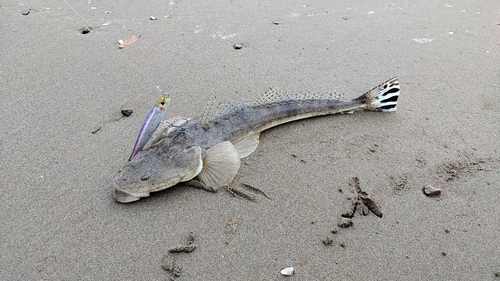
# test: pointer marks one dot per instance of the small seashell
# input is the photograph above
(430, 190)
(287, 271)
(237, 46)
(152, 18)
(129, 41)
(120, 41)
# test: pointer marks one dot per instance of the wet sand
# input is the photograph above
(63, 139)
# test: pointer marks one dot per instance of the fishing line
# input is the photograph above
(134, 66)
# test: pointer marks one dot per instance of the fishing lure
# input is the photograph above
(151, 122)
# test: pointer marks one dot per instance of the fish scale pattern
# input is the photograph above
(273, 96)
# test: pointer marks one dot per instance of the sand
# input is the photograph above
(58, 219)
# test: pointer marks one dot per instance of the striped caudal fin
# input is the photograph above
(384, 97)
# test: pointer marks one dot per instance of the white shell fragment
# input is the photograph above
(287, 271)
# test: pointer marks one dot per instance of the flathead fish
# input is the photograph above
(209, 148)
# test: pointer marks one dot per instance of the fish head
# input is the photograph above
(161, 166)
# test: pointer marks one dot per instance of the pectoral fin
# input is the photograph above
(220, 165)
(247, 146)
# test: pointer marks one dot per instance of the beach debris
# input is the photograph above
(25, 12)
(430, 190)
(497, 273)
(185, 248)
(191, 238)
(363, 210)
(237, 46)
(127, 112)
(287, 271)
(120, 41)
(327, 240)
(85, 30)
(370, 203)
(182, 248)
(129, 41)
(345, 223)
(152, 18)
(108, 12)
(169, 264)
(334, 231)
(96, 130)
(342, 244)
(361, 202)
(275, 22)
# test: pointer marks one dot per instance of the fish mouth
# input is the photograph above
(125, 197)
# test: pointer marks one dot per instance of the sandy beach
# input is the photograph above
(63, 140)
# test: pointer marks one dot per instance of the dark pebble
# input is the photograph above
(127, 112)
(85, 30)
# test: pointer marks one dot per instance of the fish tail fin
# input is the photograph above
(384, 97)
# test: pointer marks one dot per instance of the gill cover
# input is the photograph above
(157, 168)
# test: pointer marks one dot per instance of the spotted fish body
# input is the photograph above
(149, 125)
(209, 148)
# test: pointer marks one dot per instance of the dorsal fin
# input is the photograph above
(214, 109)
(273, 96)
